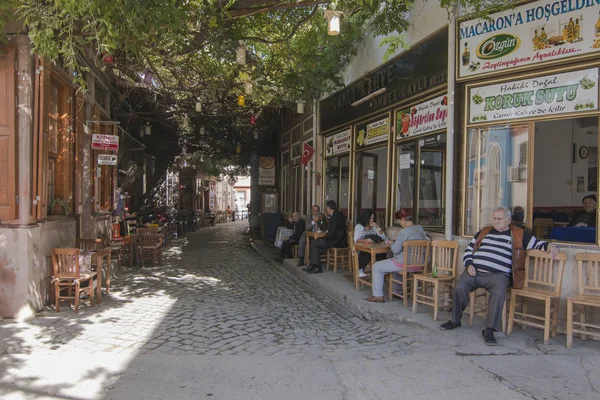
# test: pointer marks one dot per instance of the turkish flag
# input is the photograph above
(307, 153)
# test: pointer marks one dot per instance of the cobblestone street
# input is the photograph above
(218, 320)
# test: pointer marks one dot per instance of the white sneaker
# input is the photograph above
(361, 274)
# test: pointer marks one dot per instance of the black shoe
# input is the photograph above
(309, 268)
(488, 337)
(316, 270)
(300, 263)
(448, 326)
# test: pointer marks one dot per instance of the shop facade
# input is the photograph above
(375, 157)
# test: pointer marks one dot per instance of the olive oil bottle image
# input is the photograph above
(598, 27)
(543, 38)
(570, 30)
(577, 31)
(536, 41)
(466, 55)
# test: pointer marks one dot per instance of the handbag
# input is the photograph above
(374, 238)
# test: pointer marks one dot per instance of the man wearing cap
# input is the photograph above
(586, 217)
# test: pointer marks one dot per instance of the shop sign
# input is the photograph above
(107, 159)
(338, 143)
(536, 32)
(423, 118)
(535, 97)
(372, 133)
(105, 142)
(266, 171)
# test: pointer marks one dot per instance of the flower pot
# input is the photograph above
(58, 209)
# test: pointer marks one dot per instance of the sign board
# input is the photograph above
(338, 143)
(426, 117)
(105, 142)
(107, 159)
(540, 31)
(372, 133)
(266, 171)
(535, 97)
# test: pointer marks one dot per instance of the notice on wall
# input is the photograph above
(423, 118)
(107, 159)
(266, 171)
(374, 132)
(404, 162)
(535, 97)
(338, 143)
(540, 31)
(105, 142)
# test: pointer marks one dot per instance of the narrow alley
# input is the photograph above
(217, 320)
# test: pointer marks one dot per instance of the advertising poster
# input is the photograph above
(266, 171)
(535, 97)
(529, 34)
(338, 143)
(374, 132)
(423, 118)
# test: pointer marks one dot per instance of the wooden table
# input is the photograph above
(373, 249)
(312, 235)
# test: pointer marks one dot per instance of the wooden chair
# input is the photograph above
(149, 245)
(445, 257)
(339, 255)
(68, 277)
(588, 295)
(543, 279)
(542, 227)
(481, 308)
(416, 260)
(97, 245)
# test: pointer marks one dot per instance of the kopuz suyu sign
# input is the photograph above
(536, 32)
(105, 142)
(372, 133)
(535, 97)
(429, 116)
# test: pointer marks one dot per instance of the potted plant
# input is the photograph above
(59, 207)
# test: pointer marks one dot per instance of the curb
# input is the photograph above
(341, 290)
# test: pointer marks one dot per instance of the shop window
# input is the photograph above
(371, 181)
(337, 181)
(496, 174)
(59, 142)
(422, 161)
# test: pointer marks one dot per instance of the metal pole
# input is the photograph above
(449, 209)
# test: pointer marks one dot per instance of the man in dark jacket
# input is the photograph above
(297, 224)
(586, 217)
(335, 237)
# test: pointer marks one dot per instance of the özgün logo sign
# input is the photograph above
(498, 46)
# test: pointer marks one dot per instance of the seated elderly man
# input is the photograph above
(586, 217)
(488, 261)
(335, 237)
(297, 224)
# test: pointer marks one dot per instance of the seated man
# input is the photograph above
(488, 262)
(335, 237)
(297, 224)
(587, 217)
(312, 224)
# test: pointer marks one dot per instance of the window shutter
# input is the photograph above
(8, 148)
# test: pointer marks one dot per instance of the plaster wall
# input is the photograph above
(25, 265)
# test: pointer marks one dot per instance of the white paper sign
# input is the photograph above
(535, 97)
(423, 118)
(533, 33)
(404, 161)
(107, 159)
(338, 143)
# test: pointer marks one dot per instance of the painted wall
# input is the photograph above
(426, 17)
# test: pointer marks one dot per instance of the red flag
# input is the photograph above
(307, 154)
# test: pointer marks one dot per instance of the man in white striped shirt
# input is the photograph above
(490, 267)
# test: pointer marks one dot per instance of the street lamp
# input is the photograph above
(300, 106)
(333, 21)
(240, 56)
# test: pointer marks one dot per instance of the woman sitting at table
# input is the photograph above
(409, 231)
(367, 231)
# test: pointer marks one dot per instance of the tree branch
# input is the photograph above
(290, 35)
(245, 12)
